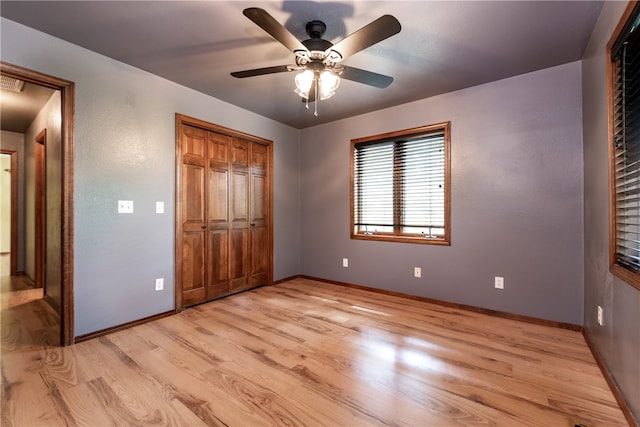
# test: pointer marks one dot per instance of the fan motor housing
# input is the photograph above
(317, 44)
(315, 29)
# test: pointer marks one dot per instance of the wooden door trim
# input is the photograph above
(40, 209)
(183, 120)
(13, 245)
(178, 218)
(67, 98)
(190, 121)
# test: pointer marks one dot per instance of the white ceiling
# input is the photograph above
(443, 46)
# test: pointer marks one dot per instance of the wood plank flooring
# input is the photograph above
(306, 353)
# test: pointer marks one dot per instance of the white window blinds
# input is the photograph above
(626, 141)
(399, 186)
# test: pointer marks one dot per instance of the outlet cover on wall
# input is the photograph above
(499, 282)
(159, 284)
(417, 272)
(345, 262)
(600, 315)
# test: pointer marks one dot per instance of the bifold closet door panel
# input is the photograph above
(193, 216)
(218, 283)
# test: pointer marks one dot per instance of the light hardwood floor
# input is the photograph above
(306, 353)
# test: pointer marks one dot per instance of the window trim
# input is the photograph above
(444, 127)
(616, 268)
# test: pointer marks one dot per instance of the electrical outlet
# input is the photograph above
(600, 315)
(159, 207)
(417, 272)
(499, 282)
(159, 284)
(345, 262)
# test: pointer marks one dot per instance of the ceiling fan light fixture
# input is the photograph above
(329, 82)
(304, 80)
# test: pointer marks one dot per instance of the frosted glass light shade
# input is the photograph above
(329, 82)
(304, 80)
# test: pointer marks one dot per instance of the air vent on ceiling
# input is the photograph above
(9, 83)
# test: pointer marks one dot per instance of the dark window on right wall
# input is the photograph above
(624, 143)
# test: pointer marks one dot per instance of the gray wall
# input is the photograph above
(125, 149)
(516, 199)
(517, 194)
(48, 118)
(15, 142)
(618, 339)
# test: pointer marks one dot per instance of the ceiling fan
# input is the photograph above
(319, 60)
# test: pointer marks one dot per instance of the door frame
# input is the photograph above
(67, 96)
(40, 209)
(182, 120)
(13, 245)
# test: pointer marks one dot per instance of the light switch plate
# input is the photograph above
(125, 206)
(159, 207)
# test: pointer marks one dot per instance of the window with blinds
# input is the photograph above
(400, 186)
(625, 147)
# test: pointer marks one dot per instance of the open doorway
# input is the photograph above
(43, 251)
(8, 209)
(40, 208)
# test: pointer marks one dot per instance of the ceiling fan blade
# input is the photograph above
(268, 23)
(367, 77)
(261, 71)
(378, 30)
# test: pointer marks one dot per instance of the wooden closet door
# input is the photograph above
(223, 222)
(218, 216)
(259, 216)
(239, 255)
(193, 222)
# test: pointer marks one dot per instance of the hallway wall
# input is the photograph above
(48, 118)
